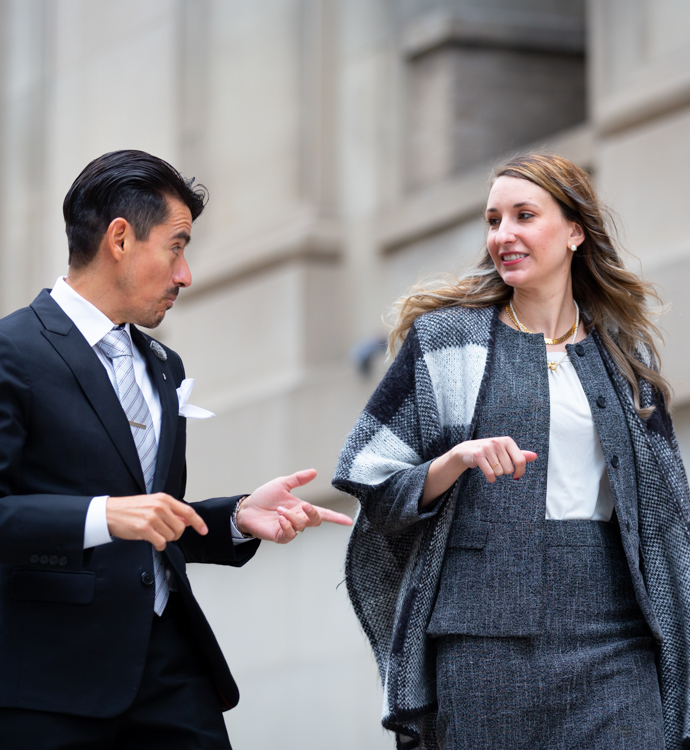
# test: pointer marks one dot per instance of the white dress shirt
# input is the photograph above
(577, 485)
(94, 325)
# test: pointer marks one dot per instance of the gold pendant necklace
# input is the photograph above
(549, 342)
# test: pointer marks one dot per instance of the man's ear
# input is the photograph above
(118, 236)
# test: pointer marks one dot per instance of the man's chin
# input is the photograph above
(150, 320)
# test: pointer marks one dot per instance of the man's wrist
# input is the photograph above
(236, 516)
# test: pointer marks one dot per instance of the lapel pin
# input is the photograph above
(164, 376)
(158, 350)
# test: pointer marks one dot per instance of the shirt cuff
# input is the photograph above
(96, 530)
(237, 537)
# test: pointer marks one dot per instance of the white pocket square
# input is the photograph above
(187, 410)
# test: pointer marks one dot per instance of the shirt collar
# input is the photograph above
(91, 322)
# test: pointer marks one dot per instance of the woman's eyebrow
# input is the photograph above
(517, 205)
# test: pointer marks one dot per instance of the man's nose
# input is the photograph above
(182, 276)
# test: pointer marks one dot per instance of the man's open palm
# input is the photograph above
(273, 513)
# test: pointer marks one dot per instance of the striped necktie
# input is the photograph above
(117, 346)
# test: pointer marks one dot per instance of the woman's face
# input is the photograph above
(528, 237)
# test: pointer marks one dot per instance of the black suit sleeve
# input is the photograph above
(217, 546)
(31, 525)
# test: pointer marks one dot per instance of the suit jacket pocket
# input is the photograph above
(51, 586)
(469, 536)
(491, 580)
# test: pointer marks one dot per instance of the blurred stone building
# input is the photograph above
(346, 146)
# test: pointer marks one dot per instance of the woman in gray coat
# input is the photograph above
(521, 562)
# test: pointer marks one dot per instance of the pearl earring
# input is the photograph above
(573, 248)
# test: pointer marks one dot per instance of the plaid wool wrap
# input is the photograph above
(428, 402)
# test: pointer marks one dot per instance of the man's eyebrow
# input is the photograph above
(182, 235)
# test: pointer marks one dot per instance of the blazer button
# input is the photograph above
(601, 402)
(580, 350)
(53, 559)
(146, 579)
(34, 559)
(627, 525)
(44, 559)
(62, 561)
(615, 461)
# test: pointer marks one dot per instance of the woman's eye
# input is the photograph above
(493, 221)
(525, 215)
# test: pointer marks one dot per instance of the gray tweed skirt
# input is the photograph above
(588, 683)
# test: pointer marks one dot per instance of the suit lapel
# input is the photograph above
(164, 383)
(69, 343)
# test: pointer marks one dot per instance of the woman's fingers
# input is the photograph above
(497, 457)
(517, 460)
(506, 460)
(484, 463)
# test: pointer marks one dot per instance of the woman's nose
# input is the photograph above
(505, 234)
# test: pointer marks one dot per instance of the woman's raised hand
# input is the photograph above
(494, 456)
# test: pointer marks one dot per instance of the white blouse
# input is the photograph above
(577, 485)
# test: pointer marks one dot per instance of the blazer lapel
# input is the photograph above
(69, 343)
(164, 382)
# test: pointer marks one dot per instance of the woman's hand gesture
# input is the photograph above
(494, 456)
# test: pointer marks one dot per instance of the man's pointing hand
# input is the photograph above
(273, 513)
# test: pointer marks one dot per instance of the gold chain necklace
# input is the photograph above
(549, 342)
(551, 365)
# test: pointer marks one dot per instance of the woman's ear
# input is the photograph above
(577, 234)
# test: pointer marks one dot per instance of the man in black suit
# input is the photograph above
(102, 643)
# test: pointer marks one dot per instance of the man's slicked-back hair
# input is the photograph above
(131, 185)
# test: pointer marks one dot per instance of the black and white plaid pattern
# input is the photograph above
(664, 513)
(427, 403)
(117, 346)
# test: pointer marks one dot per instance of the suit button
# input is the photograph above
(62, 561)
(580, 350)
(601, 402)
(34, 559)
(147, 579)
(44, 559)
(627, 525)
(615, 461)
(53, 559)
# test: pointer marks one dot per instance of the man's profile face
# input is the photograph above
(156, 268)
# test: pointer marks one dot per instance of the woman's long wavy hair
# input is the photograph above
(612, 299)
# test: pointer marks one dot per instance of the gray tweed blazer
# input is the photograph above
(500, 592)
(429, 401)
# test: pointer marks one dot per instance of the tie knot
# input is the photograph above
(116, 343)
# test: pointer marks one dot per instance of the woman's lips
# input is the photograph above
(512, 258)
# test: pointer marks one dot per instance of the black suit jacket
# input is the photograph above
(75, 623)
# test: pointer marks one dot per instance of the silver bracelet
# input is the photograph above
(234, 517)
